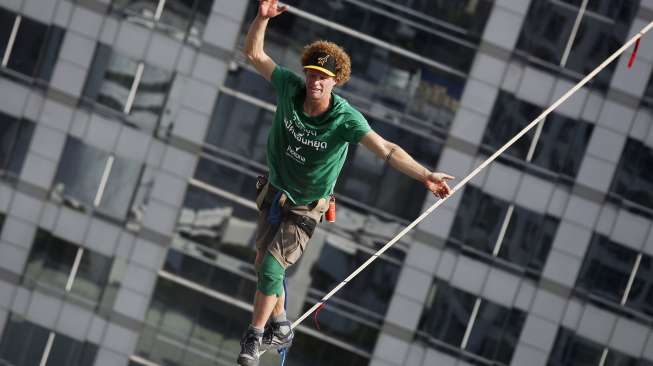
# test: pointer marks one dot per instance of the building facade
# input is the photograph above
(132, 133)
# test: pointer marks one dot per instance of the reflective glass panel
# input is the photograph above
(446, 313)
(119, 190)
(150, 97)
(15, 137)
(240, 127)
(27, 47)
(22, 342)
(7, 19)
(79, 173)
(606, 269)
(641, 293)
(495, 333)
(92, 276)
(470, 15)
(633, 179)
(118, 79)
(374, 19)
(548, 26)
(68, 351)
(50, 260)
(562, 143)
(570, 349)
(528, 237)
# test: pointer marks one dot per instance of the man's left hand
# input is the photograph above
(437, 184)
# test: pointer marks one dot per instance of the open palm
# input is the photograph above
(270, 8)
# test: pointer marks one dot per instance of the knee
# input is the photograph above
(270, 277)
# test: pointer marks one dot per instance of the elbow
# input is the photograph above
(253, 57)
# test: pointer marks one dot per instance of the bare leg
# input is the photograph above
(264, 305)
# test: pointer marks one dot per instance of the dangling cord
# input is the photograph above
(634, 54)
(316, 313)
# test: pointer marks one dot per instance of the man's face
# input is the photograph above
(318, 84)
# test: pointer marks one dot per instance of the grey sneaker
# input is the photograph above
(273, 338)
(249, 349)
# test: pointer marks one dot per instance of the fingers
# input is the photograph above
(447, 176)
(281, 9)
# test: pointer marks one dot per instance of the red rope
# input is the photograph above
(634, 54)
(316, 313)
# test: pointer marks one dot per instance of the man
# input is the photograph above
(307, 147)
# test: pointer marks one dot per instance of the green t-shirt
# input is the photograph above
(306, 154)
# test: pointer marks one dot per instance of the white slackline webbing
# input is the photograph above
(464, 181)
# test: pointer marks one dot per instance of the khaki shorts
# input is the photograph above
(287, 241)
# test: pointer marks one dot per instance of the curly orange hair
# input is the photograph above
(343, 62)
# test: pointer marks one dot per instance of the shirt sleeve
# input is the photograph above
(355, 128)
(281, 78)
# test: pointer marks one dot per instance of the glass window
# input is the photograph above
(373, 182)
(50, 260)
(356, 312)
(202, 330)
(471, 15)
(240, 127)
(606, 269)
(15, 137)
(68, 351)
(7, 19)
(548, 26)
(528, 237)
(641, 293)
(59, 264)
(385, 83)
(495, 333)
(88, 177)
(385, 23)
(128, 87)
(447, 315)
(180, 19)
(633, 178)
(571, 349)
(22, 342)
(562, 143)
(35, 48)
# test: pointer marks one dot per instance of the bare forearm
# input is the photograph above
(399, 159)
(255, 39)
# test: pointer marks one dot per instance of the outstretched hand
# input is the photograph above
(437, 184)
(270, 8)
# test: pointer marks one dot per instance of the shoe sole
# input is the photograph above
(276, 347)
(247, 361)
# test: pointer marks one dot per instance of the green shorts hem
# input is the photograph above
(270, 276)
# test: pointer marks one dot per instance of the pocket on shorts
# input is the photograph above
(294, 243)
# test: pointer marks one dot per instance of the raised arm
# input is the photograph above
(256, 35)
(399, 159)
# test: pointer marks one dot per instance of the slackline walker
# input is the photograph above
(464, 181)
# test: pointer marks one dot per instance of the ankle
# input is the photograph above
(281, 317)
(255, 330)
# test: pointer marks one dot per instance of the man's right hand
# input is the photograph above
(270, 8)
